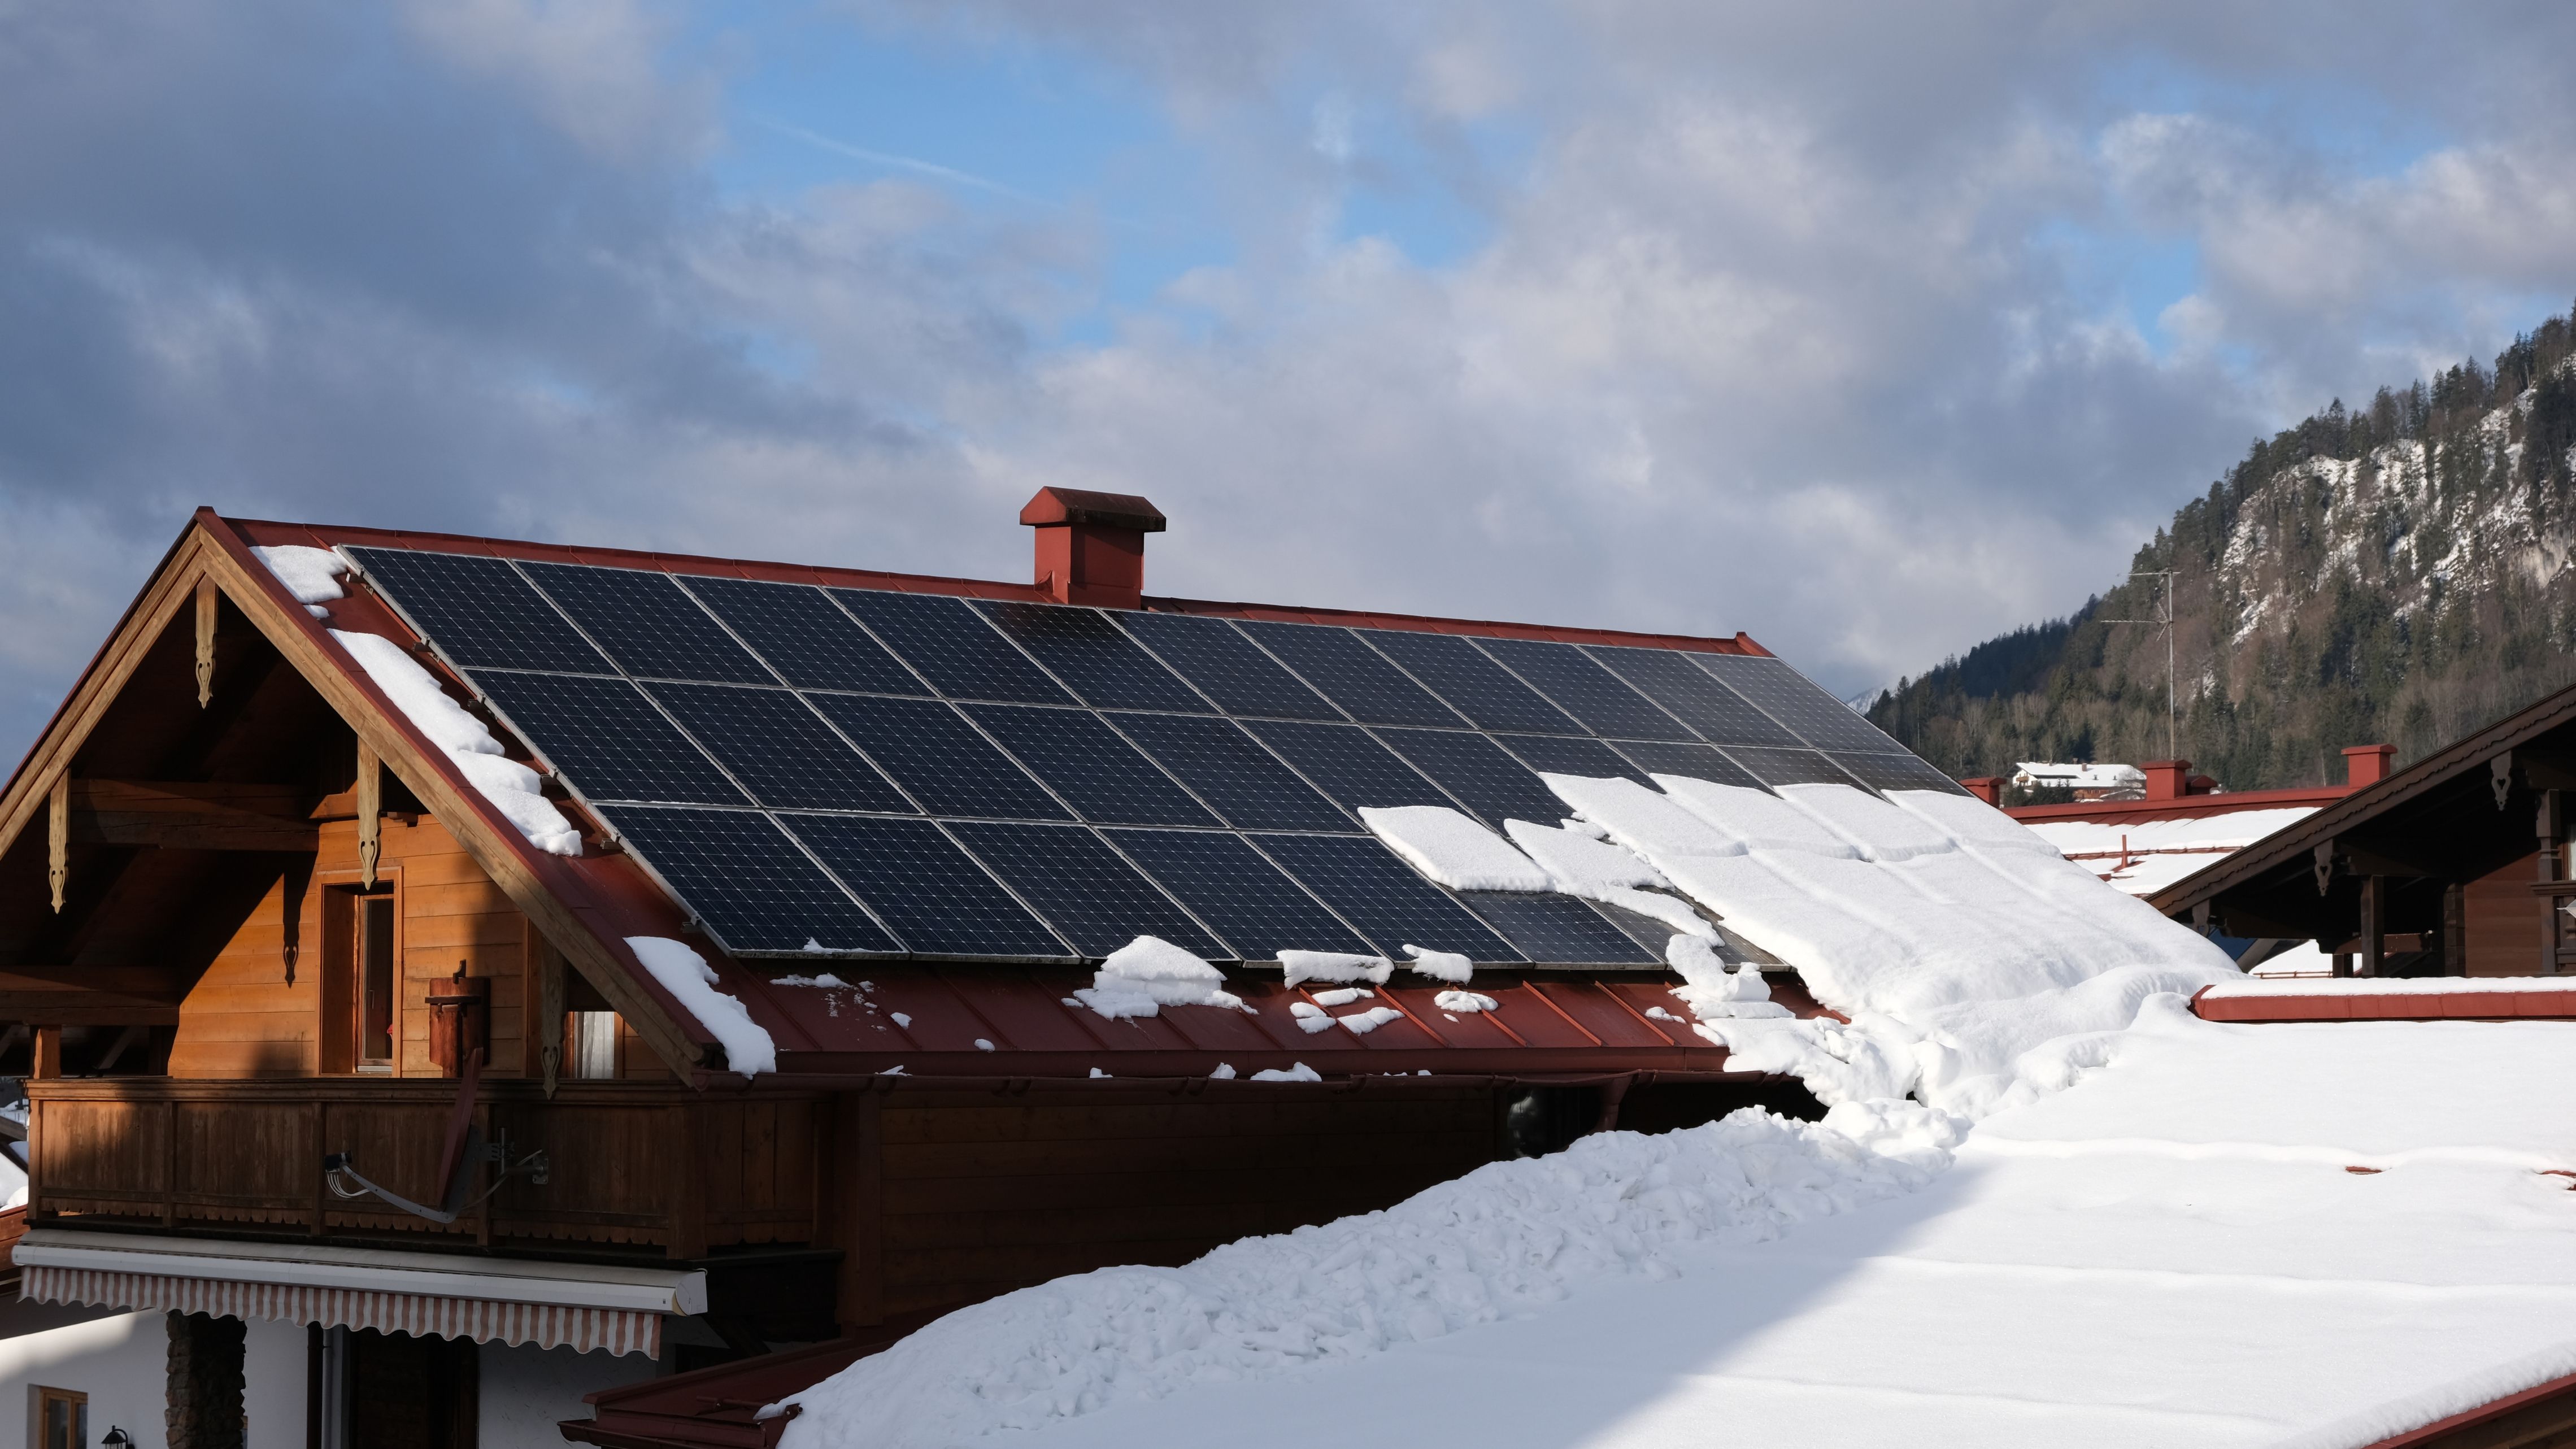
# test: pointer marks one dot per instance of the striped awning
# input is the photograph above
(564, 1305)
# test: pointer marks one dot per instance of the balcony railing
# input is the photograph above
(653, 1170)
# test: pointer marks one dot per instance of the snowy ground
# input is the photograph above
(2171, 1251)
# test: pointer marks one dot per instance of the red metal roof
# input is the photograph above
(2332, 1000)
(2183, 807)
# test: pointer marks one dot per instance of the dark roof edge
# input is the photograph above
(2301, 837)
(270, 531)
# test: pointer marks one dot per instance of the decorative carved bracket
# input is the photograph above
(58, 837)
(207, 598)
(371, 813)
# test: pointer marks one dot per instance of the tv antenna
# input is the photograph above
(2165, 601)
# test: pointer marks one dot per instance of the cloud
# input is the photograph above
(1766, 321)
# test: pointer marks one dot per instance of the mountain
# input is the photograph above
(2398, 573)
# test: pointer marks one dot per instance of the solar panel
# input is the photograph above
(778, 749)
(1232, 772)
(952, 646)
(1789, 767)
(647, 623)
(932, 893)
(1348, 763)
(1894, 772)
(1351, 674)
(479, 611)
(1700, 762)
(1794, 700)
(1245, 898)
(1667, 676)
(1585, 690)
(747, 882)
(805, 636)
(1369, 887)
(1088, 653)
(1476, 771)
(1557, 929)
(607, 738)
(1102, 776)
(1226, 666)
(941, 760)
(1473, 684)
(1567, 755)
(1089, 892)
(1653, 935)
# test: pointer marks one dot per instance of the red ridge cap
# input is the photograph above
(268, 531)
(2184, 807)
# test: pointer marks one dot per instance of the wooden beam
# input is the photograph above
(58, 837)
(49, 1053)
(83, 1008)
(2550, 824)
(208, 609)
(150, 983)
(187, 815)
(371, 813)
(2374, 924)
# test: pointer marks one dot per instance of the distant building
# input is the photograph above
(2089, 782)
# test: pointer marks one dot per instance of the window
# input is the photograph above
(378, 978)
(61, 1418)
(594, 1045)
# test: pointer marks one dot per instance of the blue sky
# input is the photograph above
(1869, 330)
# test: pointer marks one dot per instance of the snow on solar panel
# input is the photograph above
(1232, 772)
(607, 738)
(1705, 762)
(939, 758)
(780, 751)
(1475, 770)
(1585, 690)
(1717, 713)
(747, 882)
(1244, 897)
(1368, 886)
(931, 892)
(1226, 666)
(952, 646)
(1794, 700)
(1091, 894)
(1103, 777)
(479, 611)
(1472, 683)
(1557, 929)
(804, 636)
(1105, 667)
(647, 623)
(1348, 763)
(1351, 674)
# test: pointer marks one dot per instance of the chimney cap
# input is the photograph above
(1078, 505)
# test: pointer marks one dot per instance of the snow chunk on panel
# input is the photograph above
(1335, 966)
(1710, 990)
(1502, 1242)
(1758, 818)
(312, 575)
(1882, 831)
(685, 974)
(1453, 850)
(1653, 825)
(1295, 1072)
(1150, 973)
(1446, 966)
(1971, 821)
(1584, 864)
(513, 788)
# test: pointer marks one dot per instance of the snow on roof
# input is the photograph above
(2081, 777)
(2216, 1235)
(2142, 857)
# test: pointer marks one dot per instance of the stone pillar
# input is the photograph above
(205, 1395)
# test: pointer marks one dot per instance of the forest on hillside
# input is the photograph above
(2398, 572)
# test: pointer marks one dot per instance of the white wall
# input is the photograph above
(122, 1361)
(527, 1391)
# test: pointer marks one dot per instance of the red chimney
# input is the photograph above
(1988, 788)
(2167, 779)
(2366, 764)
(1091, 546)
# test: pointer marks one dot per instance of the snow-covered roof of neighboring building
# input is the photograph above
(2143, 856)
(2079, 776)
(2186, 1232)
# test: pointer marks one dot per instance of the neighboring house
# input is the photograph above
(459, 976)
(2087, 782)
(2453, 866)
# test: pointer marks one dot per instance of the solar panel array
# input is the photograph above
(864, 771)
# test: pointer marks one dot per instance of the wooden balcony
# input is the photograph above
(632, 1169)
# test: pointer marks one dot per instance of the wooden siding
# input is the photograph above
(2505, 921)
(979, 1195)
(257, 1011)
